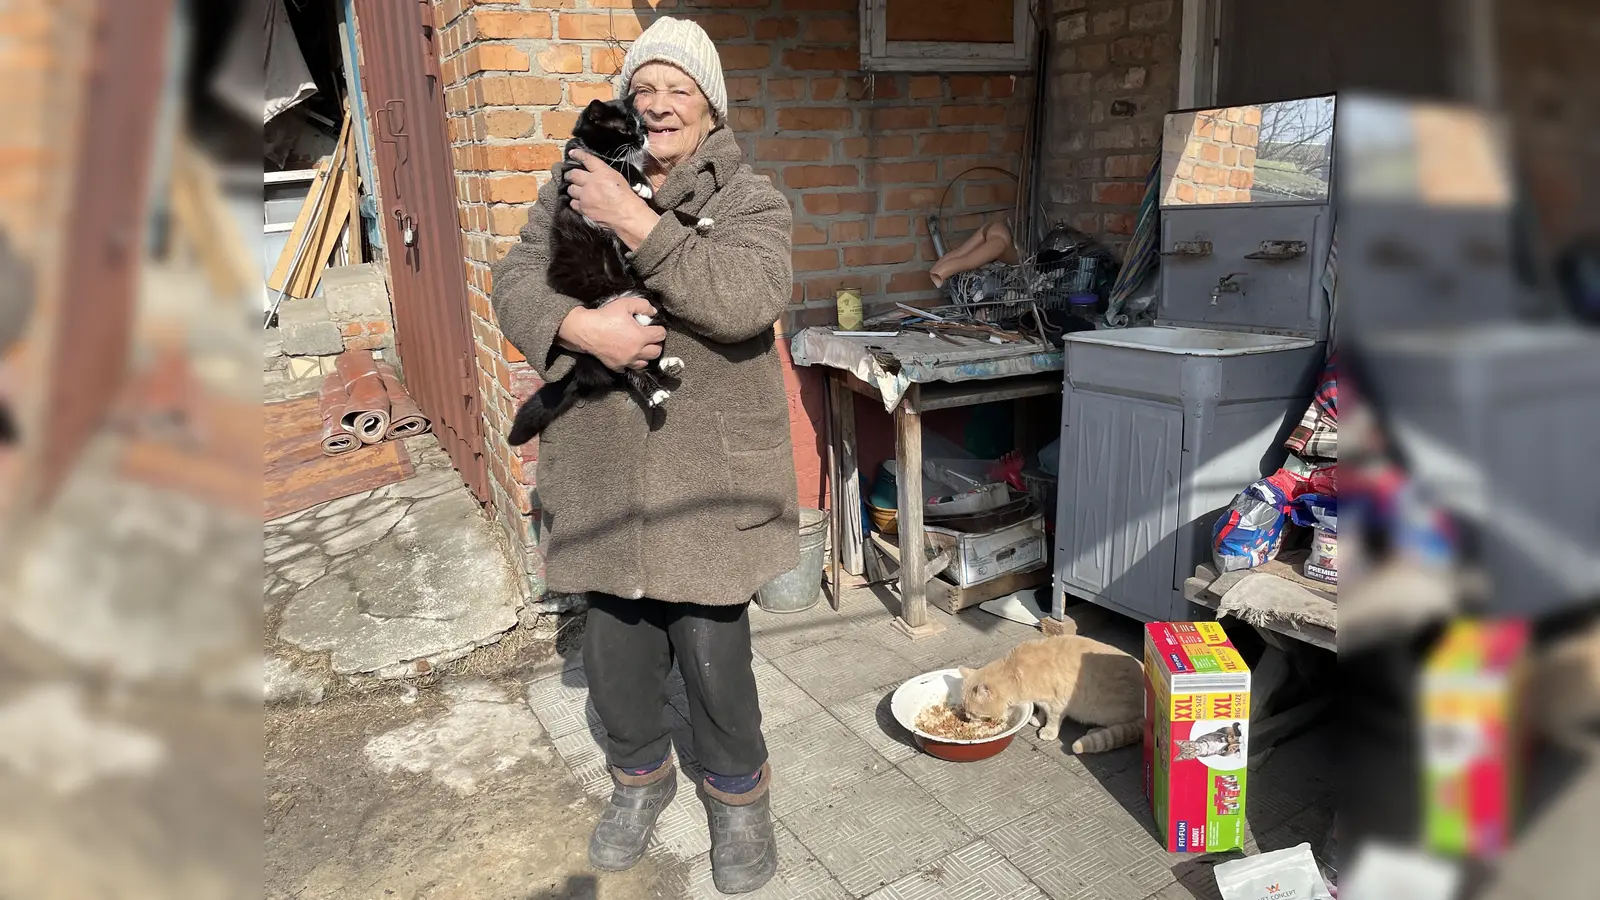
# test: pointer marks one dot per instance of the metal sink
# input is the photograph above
(1191, 341)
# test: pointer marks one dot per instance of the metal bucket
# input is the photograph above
(801, 587)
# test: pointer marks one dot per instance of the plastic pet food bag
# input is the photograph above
(1288, 874)
(1249, 531)
(1319, 512)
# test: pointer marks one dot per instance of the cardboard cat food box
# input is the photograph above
(1196, 735)
(1473, 685)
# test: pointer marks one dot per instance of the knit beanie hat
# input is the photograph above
(686, 45)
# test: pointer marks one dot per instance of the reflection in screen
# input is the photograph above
(1265, 153)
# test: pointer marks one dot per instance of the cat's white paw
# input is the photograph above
(642, 319)
(644, 191)
(659, 397)
(705, 225)
(1038, 716)
(671, 366)
(1047, 733)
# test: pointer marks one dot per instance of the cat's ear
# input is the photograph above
(966, 672)
(595, 107)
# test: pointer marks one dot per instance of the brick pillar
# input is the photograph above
(1113, 77)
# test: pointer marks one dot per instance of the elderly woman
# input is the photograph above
(670, 521)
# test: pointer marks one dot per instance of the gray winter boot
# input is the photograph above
(744, 849)
(623, 832)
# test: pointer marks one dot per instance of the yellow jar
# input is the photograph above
(849, 306)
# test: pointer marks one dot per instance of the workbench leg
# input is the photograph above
(908, 456)
(847, 484)
(835, 528)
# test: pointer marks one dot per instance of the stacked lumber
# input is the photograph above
(331, 205)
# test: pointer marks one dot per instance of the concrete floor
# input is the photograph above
(482, 780)
(863, 813)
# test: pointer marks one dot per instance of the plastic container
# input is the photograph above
(800, 588)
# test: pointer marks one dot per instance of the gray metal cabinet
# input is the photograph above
(1123, 458)
(1153, 447)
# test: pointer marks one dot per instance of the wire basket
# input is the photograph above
(996, 292)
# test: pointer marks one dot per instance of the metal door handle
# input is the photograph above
(1189, 248)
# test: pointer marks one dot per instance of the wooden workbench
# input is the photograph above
(910, 375)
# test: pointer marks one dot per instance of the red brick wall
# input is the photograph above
(862, 160)
(1113, 77)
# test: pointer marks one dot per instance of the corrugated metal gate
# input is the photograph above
(100, 277)
(422, 234)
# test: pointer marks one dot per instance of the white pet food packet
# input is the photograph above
(1288, 874)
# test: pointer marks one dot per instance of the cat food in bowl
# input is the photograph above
(928, 707)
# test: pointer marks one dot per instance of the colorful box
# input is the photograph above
(1472, 683)
(1196, 731)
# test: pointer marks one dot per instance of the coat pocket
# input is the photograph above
(759, 468)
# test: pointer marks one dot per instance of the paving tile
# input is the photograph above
(779, 634)
(867, 714)
(975, 872)
(800, 876)
(561, 702)
(1074, 851)
(970, 638)
(682, 832)
(878, 832)
(782, 701)
(845, 666)
(1101, 767)
(815, 758)
(991, 792)
(585, 756)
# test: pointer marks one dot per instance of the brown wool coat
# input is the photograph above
(701, 507)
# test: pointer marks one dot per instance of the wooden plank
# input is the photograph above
(908, 455)
(325, 209)
(847, 489)
(352, 179)
(945, 395)
(835, 579)
(302, 223)
(325, 238)
(950, 20)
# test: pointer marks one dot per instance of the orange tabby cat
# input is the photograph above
(1072, 676)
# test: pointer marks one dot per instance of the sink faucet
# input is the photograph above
(1226, 285)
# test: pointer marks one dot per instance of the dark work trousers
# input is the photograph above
(628, 649)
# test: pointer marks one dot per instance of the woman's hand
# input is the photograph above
(603, 195)
(612, 335)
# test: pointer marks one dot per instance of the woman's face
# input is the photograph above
(676, 113)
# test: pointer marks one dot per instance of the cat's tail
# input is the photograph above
(538, 411)
(1110, 737)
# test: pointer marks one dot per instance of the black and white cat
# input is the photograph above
(589, 263)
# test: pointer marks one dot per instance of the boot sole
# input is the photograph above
(623, 867)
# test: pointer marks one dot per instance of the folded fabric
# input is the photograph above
(1317, 434)
(1318, 431)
